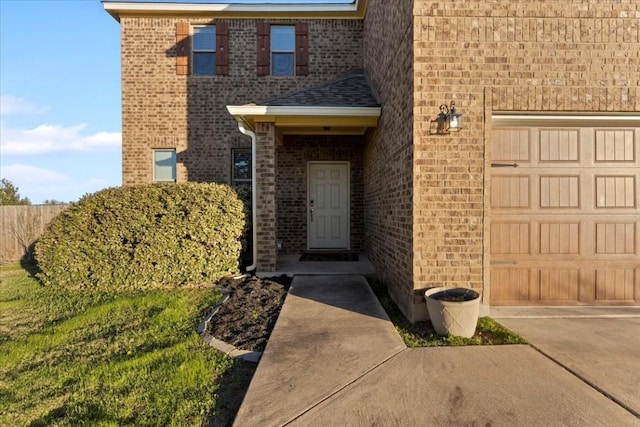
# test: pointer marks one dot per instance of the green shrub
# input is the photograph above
(143, 237)
(243, 191)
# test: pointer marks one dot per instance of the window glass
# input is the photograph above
(283, 38)
(204, 50)
(283, 44)
(204, 38)
(241, 175)
(282, 64)
(164, 165)
(204, 63)
(241, 165)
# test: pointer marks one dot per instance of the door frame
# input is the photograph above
(348, 189)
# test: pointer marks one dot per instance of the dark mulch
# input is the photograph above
(247, 317)
(245, 320)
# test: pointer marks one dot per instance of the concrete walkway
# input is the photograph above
(335, 359)
(330, 332)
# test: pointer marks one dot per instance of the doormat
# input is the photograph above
(329, 256)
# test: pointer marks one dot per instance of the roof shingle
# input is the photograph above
(352, 89)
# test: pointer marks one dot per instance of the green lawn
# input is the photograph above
(84, 358)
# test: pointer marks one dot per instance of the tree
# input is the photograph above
(9, 194)
(53, 202)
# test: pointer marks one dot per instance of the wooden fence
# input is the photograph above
(20, 226)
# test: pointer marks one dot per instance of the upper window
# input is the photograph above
(164, 165)
(283, 50)
(204, 50)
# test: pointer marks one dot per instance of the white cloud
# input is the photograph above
(39, 184)
(45, 139)
(10, 104)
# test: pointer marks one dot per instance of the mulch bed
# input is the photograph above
(246, 319)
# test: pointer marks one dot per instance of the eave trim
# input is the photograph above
(299, 111)
(571, 119)
(354, 10)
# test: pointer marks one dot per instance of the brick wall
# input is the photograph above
(573, 56)
(163, 110)
(291, 182)
(388, 155)
(266, 216)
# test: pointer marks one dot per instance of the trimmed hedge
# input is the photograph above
(243, 191)
(144, 237)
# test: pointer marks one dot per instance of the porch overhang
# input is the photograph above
(308, 120)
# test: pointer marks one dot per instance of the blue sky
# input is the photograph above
(60, 97)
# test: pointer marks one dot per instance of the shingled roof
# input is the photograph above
(352, 89)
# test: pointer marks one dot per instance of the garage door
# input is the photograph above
(564, 219)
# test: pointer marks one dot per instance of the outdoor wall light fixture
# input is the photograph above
(449, 120)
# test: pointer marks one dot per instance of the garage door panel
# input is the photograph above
(559, 238)
(559, 145)
(511, 145)
(511, 192)
(510, 238)
(616, 285)
(559, 284)
(615, 145)
(559, 191)
(615, 191)
(512, 285)
(564, 224)
(615, 238)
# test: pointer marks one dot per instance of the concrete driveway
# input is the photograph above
(599, 345)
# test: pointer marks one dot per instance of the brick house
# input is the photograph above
(533, 202)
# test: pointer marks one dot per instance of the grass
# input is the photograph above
(111, 359)
(422, 334)
(96, 358)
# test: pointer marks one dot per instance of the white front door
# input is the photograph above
(328, 205)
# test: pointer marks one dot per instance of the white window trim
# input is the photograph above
(194, 50)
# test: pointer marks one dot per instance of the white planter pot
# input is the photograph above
(458, 317)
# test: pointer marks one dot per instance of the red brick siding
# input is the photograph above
(266, 196)
(163, 110)
(388, 154)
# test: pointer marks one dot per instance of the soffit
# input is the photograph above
(309, 120)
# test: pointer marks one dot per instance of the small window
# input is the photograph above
(241, 166)
(204, 50)
(283, 48)
(164, 165)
